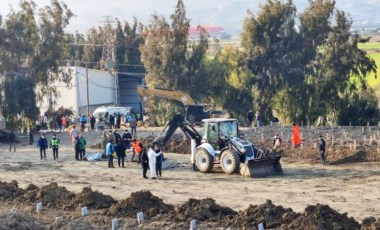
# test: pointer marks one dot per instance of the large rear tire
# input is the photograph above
(230, 162)
(203, 161)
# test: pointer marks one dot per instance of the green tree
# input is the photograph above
(51, 47)
(128, 40)
(19, 104)
(32, 48)
(171, 61)
(271, 46)
(310, 69)
(343, 67)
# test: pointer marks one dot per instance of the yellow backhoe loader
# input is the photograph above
(222, 144)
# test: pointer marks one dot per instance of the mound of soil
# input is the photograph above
(141, 201)
(92, 199)
(19, 222)
(10, 190)
(147, 142)
(176, 144)
(201, 210)
(270, 215)
(345, 157)
(51, 196)
(319, 216)
(31, 187)
(371, 223)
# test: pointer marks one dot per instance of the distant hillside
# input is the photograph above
(230, 14)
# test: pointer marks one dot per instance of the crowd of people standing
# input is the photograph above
(115, 146)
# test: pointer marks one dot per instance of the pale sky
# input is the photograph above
(226, 13)
(91, 12)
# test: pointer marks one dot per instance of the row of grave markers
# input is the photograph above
(371, 139)
(115, 222)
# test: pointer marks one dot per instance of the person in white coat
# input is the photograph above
(153, 152)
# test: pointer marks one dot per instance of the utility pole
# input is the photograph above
(88, 92)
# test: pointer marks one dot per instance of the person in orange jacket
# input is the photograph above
(296, 140)
(137, 150)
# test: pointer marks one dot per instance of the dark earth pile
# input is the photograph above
(371, 223)
(141, 201)
(318, 217)
(270, 215)
(205, 209)
(92, 199)
(51, 196)
(10, 190)
(158, 214)
(176, 144)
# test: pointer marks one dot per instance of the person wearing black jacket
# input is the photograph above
(117, 137)
(92, 122)
(77, 148)
(250, 118)
(42, 143)
(120, 152)
(12, 140)
(322, 150)
(159, 160)
(126, 138)
(144, 162)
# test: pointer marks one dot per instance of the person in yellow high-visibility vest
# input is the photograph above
(54, 145)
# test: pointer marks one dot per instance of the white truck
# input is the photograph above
(102, 113)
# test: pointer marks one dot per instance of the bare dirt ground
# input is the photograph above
(352, 188)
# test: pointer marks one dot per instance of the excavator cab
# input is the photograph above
(211, 133)
(217, 131)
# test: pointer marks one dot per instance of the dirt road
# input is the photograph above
(351, 188)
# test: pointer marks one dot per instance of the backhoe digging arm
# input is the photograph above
(179, 121)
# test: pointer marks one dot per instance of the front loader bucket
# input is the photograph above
(261, 167)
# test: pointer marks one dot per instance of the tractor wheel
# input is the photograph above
(230, 162)
(203, 160)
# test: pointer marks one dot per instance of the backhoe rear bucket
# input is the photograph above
(262, 167)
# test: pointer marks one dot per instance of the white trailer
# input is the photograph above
(101, 90)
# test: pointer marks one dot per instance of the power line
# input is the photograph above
(85, 44)
(97, 62)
